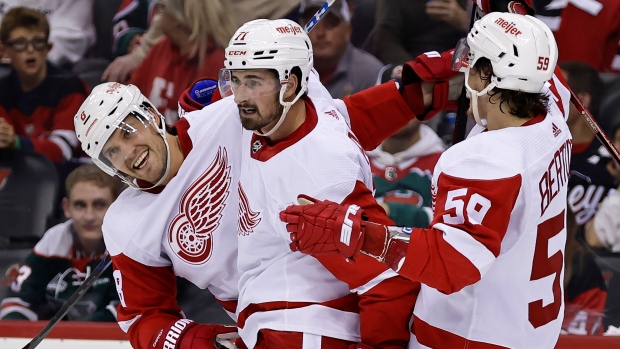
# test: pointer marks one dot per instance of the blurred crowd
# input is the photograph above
(54, 52)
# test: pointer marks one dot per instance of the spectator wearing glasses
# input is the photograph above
(343, 68)
(37, 99)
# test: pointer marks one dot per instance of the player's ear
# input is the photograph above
(291, 87)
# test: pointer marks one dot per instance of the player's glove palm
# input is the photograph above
(432, 67)
(325, 227)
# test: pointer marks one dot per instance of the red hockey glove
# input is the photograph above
(325, 227)
(436, 68)
(523, 7)
(187, 334)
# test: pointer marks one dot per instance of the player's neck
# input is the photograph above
(292, 121)
(176, 156)
(396, 145)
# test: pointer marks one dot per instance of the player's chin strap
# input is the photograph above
(287, 106)
(473, 98)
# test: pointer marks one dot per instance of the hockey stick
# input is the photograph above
(318, 15)
(99, 269)
(460, 121)
(596, 129)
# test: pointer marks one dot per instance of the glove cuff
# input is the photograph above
(376, 239)
(171, 335)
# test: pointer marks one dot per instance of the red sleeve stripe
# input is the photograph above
(389, 273)
(467, 245)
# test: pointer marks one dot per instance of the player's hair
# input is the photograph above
(93, 174)
(206, 20)
(23, 17)
(583, 78)
(522, 104)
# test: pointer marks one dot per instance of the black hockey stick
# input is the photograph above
(99, 269)
(460, 121)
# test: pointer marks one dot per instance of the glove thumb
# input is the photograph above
(305, 200)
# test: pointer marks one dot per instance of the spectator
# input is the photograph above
(590, 179)
(130, 22)
(132, 38)
(72, 27)
(585, 291)
(586, 31)
(402, 169)
(603, 231)
(66, 255)
(343, 68)
(362, 20)
(244, 10)
(405, 29)
(37, 99)
(195, 33)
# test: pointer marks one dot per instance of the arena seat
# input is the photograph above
(28, 190)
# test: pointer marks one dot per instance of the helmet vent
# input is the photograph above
(511, 65)
(514, 48)
(264, 57)
(258, 53)
(101, 103)
(112, 111)
(120, 100)
(273, 52)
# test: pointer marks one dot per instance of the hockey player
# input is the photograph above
(182, 217)
(497, 237)
(283, 294)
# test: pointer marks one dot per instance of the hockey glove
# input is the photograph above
(523, 7)
(187, 334)
(435, 68)
(202, 93)
(327, 227)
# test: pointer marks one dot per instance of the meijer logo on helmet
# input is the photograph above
(508, 26)
(289, 30)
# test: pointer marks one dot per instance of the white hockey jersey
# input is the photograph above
(187, 229)
(281, 289)
(491, 265)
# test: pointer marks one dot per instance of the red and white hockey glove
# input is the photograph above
(436, 68)
(187, 334)
(523, 7)
(328, 227)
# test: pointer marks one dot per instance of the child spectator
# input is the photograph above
(66, 255)
(72, 27)
(37, 100)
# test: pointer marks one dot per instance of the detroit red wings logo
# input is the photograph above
(248, 219)
(190, 233)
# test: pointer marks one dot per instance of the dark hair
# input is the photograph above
(23, 17)
(522, 104)
(581, 78)
(92, 173)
